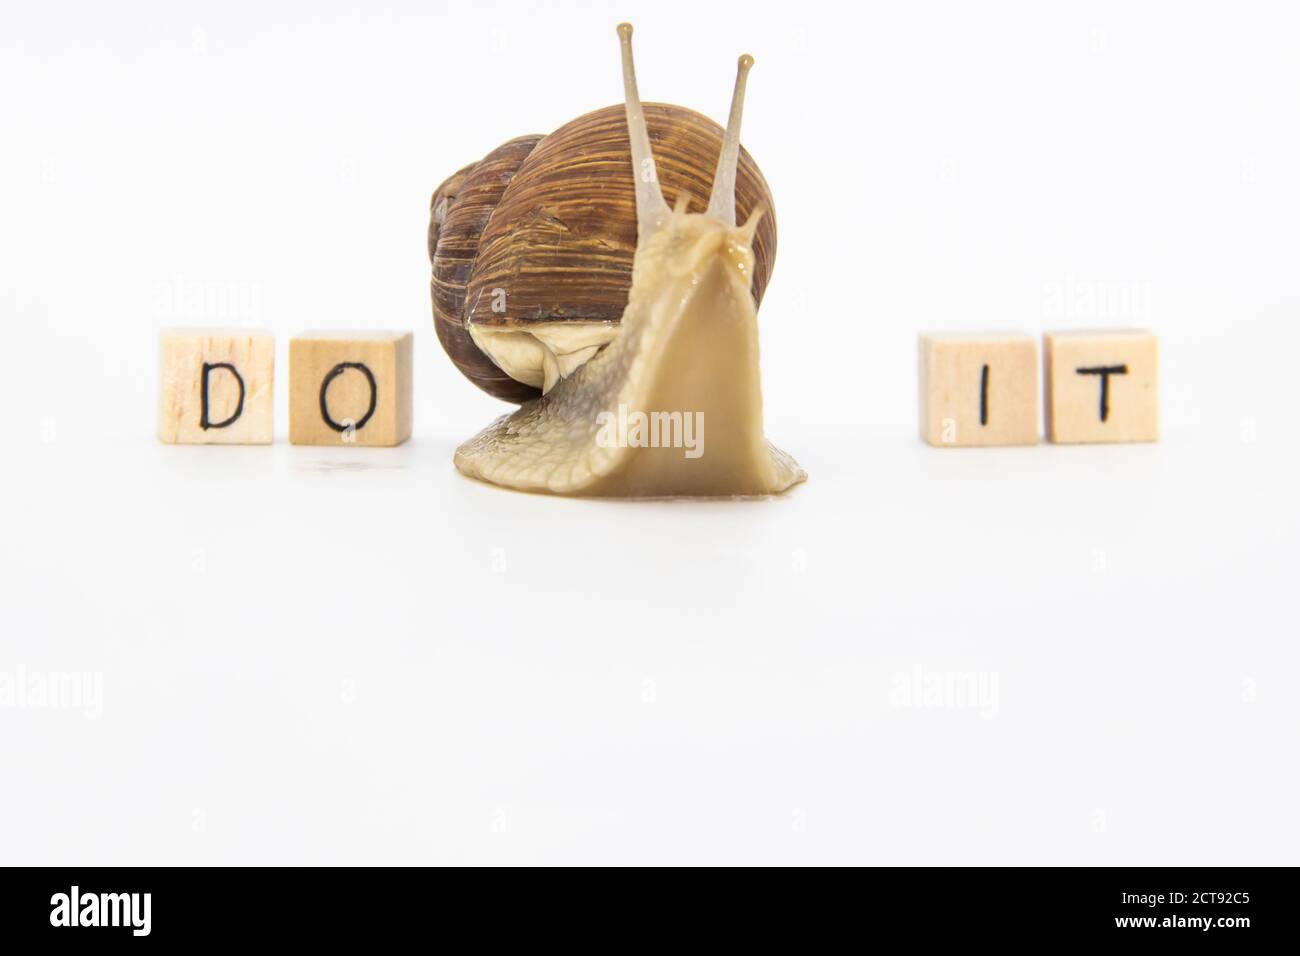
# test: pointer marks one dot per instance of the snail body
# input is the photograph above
(682, 355)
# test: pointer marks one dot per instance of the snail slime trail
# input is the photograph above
(687, 344)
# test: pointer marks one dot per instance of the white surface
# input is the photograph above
(346, 655)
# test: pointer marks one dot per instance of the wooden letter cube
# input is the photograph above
(215, 386)
(1101, 386)
(979, 389)
(350, 388)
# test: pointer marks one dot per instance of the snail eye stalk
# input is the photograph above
(651, 210)
(722, 201)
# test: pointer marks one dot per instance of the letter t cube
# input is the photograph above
(1101, 386)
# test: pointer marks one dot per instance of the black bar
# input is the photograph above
(1169, 906)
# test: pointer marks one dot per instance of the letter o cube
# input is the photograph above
(350, 388)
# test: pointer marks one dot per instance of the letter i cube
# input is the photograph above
(979, 388)
(215, 386)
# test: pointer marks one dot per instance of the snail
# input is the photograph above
(619, 365)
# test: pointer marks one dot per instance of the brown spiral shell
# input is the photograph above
(551, 220)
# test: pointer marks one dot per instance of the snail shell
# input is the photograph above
(532, 246)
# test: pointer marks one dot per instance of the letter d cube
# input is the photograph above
(215, 386)
(350, 388)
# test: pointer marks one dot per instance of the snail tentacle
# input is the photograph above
(651, 210)
(722, 201)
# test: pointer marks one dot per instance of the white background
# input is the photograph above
(348, 655)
